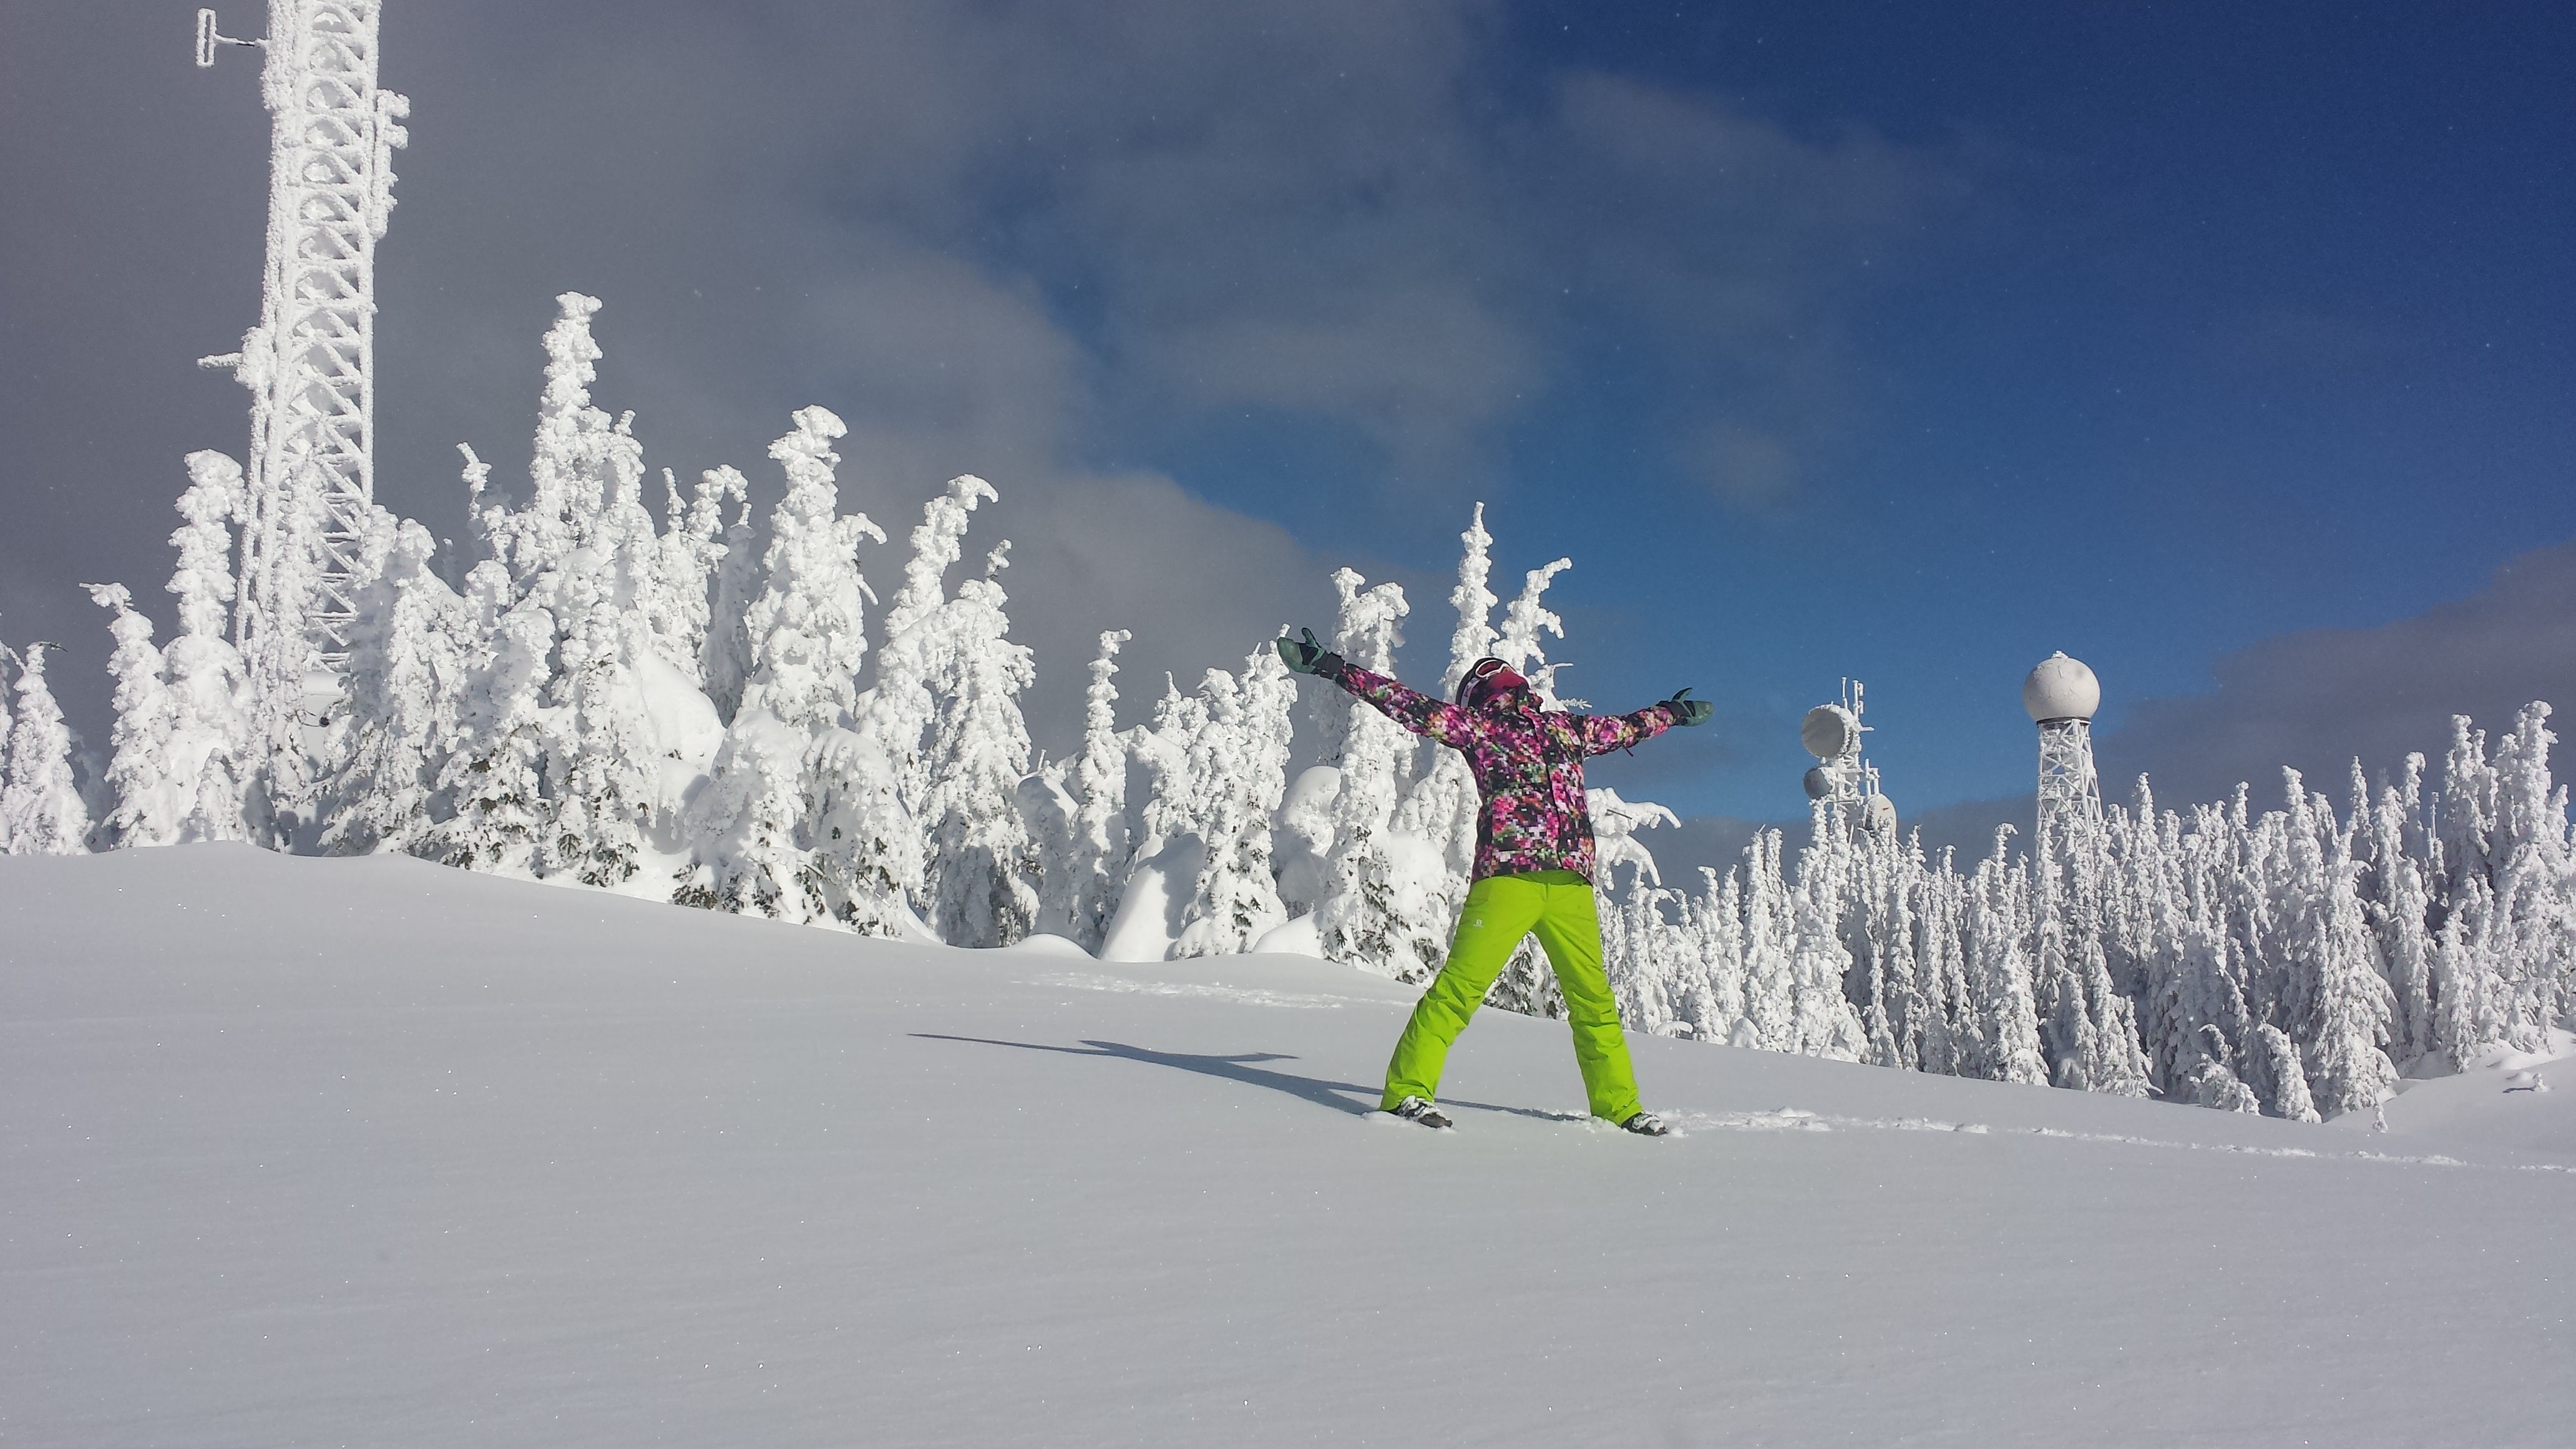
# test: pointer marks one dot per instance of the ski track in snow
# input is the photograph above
(1250, 996)
(1792, 1119)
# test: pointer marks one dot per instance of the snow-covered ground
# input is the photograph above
(302, 1152)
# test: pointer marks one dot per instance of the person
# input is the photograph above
(1533, 870)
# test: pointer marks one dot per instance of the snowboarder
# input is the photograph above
(1533, 872)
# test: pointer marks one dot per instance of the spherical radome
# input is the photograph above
(2061, 688)
(1829, 732)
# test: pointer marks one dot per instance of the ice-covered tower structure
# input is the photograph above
(310, 362)
(2061, 695)
(1842, 778)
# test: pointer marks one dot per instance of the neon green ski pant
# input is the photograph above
(1500, 909)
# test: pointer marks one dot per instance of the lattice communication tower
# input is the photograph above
(1843, 779)
(2061, 695)
(310, 363)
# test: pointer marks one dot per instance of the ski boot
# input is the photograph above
(1645, 1124)
(1417, 1109)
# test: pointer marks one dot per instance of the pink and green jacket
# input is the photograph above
(1528, 766)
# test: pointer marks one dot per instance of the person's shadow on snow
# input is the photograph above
(1238, 1068)
(1235, 1068)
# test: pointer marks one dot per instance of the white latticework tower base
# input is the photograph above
(2070, 794)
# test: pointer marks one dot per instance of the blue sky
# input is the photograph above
(1910, 342)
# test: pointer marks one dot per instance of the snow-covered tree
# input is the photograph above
(725, 659)
(138, 765)
(405, 679)
(1237, 771)
(982, 869)
(808, 626)
(40, 804)
(1377, 879)
(1084, 890)
(799, 818)
(493, 781)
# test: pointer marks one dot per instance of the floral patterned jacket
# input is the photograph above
(1528, 766)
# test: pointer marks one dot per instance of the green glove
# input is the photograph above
(1687, 711)
(1309, 656)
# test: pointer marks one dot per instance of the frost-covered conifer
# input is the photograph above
(1237, 768)
(40, 805)
(777, 839)
(2212, 1082)
(1770, 923)
(901, 707)
(807, 628)
(690, 551)
(406, 680)
(7, 728)
(211, 748)
(1086, 888)
(1998, 963)
(1520, 644)
(982, 871)
(138, 765)
(724, 661)
(1377, 878)
(2400, 907)
(2337, 1005)
(494, 778)
(746, 825)
(2088, 1030)
(2532, 870)
(2287, 1077)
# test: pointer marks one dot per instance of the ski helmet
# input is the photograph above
(1485, 680)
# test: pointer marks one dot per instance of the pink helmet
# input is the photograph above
(1486, 680)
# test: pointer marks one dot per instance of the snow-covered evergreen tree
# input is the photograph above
(211, 756)
(982, 869)
(799, 818)
(1086, 889)
(493, 781)
(406, 678)
(41, 812)
(724, 660)
(1237, 768)
(808, 625)
(1376, 877)
(2335, 1001)
(138, 764)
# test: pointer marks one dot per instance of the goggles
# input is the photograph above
(1484, 679)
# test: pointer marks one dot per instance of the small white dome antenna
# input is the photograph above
(1843, 779)
(2062, 695)
(208, 39)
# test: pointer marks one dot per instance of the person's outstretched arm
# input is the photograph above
(1416, 711)
(1603, 733)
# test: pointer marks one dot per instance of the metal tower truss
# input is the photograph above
(2069, 791)
(310, 363)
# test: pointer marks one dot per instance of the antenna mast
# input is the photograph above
(310, 363)
(1843, 780)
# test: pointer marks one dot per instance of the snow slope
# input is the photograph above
(301, 1152)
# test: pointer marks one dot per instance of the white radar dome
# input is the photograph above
(1829, 732)
(2060, 688)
